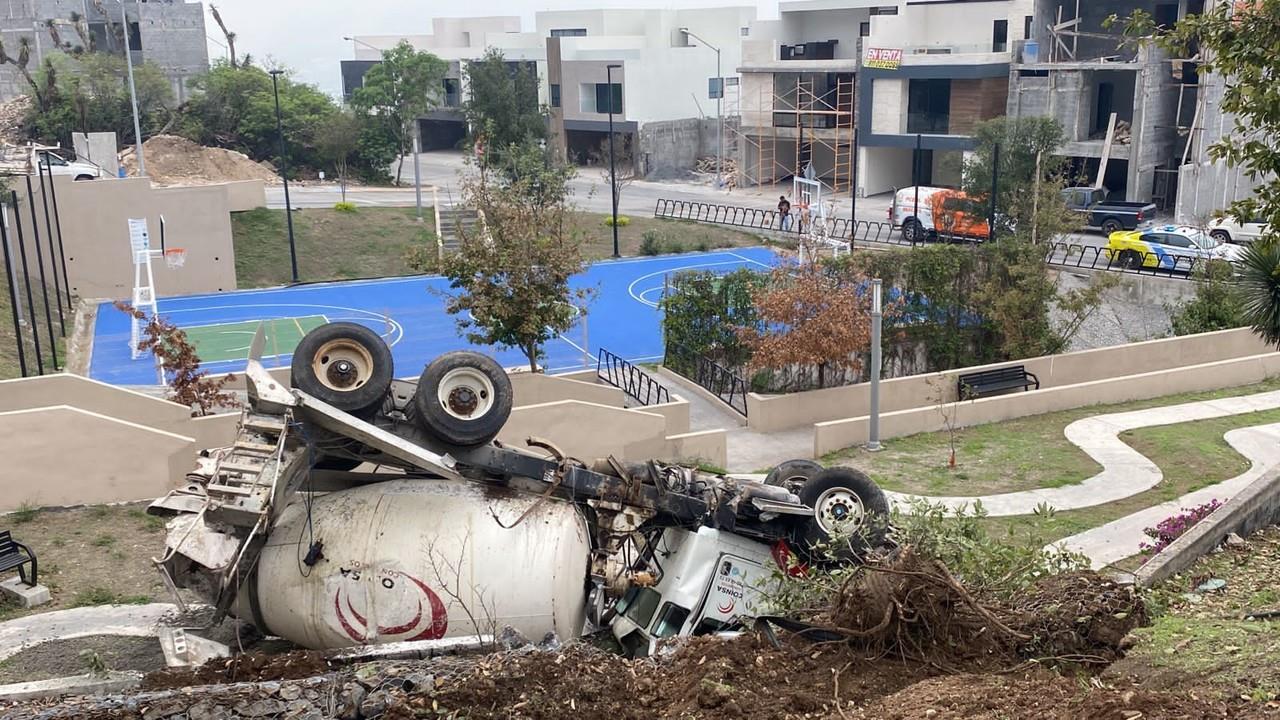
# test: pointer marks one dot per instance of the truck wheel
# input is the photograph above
(1111, 225)
(463, 398)
(343, 364)
(912, 230)
(846, 502)
(792, 474)
(1221, 236)
(1131, 260)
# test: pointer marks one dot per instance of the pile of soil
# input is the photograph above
(12, 114)
(173, 160)
(61, 658)
(249, 667)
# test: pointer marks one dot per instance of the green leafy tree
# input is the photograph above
(220, 100)
(401, 88)
(502, 106)
(1216, 305)
(337, 141)
(91, 93)
(510, 278)
(1258, 280)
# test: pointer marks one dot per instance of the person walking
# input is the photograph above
(784, 213)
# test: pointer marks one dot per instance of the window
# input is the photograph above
(929, 106)
(555, 95)
(864, 29)
(1000, 36)
(670, 620)
(135, 37)
(568, 32)
(745, 32)
(638, 608)
(603, 97)
(888, 10)
(452, 92)
(1026, 27)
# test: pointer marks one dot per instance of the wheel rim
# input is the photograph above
(342, 365)
(1220, 236)
(465, 393)
(839, 510)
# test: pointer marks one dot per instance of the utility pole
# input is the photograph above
(719, 114)
(995, 177)
(133, 93)
(873, 427)
(284, 175)
(915, 180)
(1035, 201)
(613, 175)
(417, 179)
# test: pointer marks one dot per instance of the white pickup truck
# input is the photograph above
(22, 159)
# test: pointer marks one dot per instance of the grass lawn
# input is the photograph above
(1033, 452)
(9, 366)
(372, 242)
(95, 555)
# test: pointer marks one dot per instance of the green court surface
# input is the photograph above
(230, 341)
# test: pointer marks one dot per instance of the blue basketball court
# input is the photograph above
(409, 313)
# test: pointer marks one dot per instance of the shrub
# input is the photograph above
(623, 221)
(651, 243)
(344, 207)
(1174, 526)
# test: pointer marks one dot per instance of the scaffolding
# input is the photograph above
(812, 122)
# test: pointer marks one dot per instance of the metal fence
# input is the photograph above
(1069, 254)
(707, 374)
(630, 379)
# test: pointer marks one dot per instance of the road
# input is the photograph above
(441, 173)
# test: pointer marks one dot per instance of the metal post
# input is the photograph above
(417, 179)
(995, 176)
(44, 286)
(613, 178)
(26, 275)
(11, 276)
(586, 342)
(133, 93)
(915, 173)
(57, 223)
(853, 193)
(720, 122)
(284, 175)
(873, 440)
(53, 259)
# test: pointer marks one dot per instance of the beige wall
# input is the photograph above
(68, 456)
(588, 431)
(95, 234)
(536, 389)
(244, 194)
(768, 413)
(838, 434)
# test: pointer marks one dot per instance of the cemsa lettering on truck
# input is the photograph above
(733, 591)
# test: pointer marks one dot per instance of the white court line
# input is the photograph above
(747, 259)
(637, 298)
(370, 315)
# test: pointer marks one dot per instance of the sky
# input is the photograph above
(306, 35)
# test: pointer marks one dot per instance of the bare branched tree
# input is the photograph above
(230, 36)
(482, 614)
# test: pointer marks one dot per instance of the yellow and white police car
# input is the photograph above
(1166, 247)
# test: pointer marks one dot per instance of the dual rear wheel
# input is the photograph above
(846, 504)
(463, 398)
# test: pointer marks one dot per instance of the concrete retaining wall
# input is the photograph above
(1253, 508)
(838, 434)
(536, 389)
(768, 413)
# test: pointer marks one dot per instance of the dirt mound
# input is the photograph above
(173, 160)
(1045, 696)
(250, 667)
(1078, 616)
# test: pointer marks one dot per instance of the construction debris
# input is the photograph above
(12, 114)
(706, 165)
(173, 160)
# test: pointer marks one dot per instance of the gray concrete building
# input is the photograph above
(169, 33)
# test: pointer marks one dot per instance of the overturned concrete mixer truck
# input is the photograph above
(354, 508)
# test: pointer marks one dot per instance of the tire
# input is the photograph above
(463, 398)
(1111, 225)
(792, 474)
(1221, 236)
(840, 490)
(912, 231)
(344, 364)
(1131, 260)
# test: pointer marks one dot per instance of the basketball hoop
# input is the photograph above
(175, 257)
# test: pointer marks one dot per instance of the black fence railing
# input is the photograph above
(710, 376)
(1069, 254)
(1092, 257)
(630, 379)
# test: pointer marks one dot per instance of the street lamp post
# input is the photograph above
(284, 175)
(133, 93)
(613, 173)
(719, 114)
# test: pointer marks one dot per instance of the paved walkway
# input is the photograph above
(1125, 472)
(137, 620)
(1122, 538)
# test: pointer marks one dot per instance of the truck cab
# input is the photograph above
(708, 580)
(1107, 215)
(940, 213)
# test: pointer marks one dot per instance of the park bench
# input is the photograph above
(14, 554)
(977, 384)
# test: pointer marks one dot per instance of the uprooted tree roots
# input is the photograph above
(910, 606)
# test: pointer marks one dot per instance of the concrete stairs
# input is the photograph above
(455, 222)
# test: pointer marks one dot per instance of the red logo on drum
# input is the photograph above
(410, 616)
